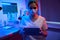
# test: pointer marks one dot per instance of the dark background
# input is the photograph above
(50, 9)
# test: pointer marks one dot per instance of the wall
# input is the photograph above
(51, 10)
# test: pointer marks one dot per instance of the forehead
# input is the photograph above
(33, 5)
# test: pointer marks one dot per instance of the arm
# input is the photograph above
(44, 28)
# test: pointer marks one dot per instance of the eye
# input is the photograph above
(32, 7)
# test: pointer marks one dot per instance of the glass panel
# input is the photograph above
(10, 9)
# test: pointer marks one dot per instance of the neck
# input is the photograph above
(34, 17)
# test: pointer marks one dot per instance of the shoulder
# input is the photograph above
(42, 18)
(25, 18)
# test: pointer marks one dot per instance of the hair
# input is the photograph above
(32, 2)
(0, 8)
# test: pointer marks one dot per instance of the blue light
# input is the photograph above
(6, 4)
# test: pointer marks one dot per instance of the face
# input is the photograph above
(33, 8)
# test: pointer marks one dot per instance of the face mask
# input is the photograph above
(34, 10)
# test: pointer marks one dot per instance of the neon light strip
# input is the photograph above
(53, 22)
(6, 3)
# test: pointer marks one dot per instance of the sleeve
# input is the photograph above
(44, 25)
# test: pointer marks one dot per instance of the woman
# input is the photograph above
(33, 20)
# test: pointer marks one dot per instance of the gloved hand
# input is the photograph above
(21, 30)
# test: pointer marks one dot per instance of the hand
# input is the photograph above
(21, 30)
(44, 33)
